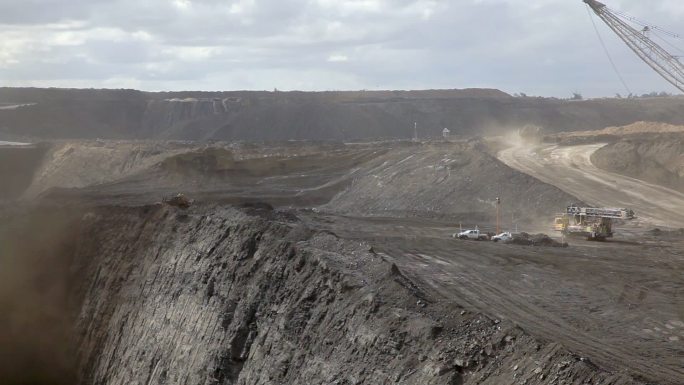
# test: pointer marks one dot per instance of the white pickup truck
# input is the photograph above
(503, 237)
(471, 234)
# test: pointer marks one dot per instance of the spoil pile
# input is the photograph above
(453, 180)
(540, 239)
(656, 159)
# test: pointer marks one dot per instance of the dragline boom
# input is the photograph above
(664, 63)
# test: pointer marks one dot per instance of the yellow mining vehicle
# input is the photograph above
(594, 223)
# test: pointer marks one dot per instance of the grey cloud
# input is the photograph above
(16, 12)
(538, 47)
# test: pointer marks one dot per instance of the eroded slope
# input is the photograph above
(454, 180)
(225, 296)
(457, 180)
(657, 159)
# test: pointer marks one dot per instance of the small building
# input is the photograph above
(445, 133)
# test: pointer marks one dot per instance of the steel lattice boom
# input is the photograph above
(649, 51)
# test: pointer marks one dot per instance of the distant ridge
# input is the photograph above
(295, 115)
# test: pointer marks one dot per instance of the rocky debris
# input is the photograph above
(540, 239)
(224, 297)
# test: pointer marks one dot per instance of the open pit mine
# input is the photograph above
(340, 238)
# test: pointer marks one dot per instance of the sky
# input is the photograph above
(537, 47)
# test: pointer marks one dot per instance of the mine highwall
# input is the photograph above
(218, 295)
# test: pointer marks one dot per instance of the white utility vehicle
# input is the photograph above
(503, 237)
(471, 234)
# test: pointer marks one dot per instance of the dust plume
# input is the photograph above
(35, 312)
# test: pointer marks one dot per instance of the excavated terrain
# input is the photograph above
(656, 159)
(648, 151)
(305, 262)
(455, 180)
(459, 181)
(354, 278)
(219, 295)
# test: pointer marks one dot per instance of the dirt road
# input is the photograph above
(615, 317)
(570, 169)
(604, 301)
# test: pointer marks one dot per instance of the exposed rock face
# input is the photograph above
(226, 296)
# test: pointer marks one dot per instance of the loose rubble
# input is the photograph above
(542, 240)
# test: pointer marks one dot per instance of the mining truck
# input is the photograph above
(594, 223)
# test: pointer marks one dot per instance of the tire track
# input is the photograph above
(484, 283)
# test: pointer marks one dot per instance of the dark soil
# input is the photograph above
(526, 239)
(216, 295)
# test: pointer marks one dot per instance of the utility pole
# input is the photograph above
(415, 131)
(498, 203)
(514, 221)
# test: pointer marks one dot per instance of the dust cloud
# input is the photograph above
(36, 320)
(18, 165)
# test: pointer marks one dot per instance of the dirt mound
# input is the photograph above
(281, 175)
(219, 161)
(642, 128)
(218, 295)
(656, 159)
(631, 129)
(448, 179)
(544, 240)
(636, 131)
(87, 163)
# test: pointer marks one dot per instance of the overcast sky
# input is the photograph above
(540, 47)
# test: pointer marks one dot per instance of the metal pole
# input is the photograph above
(498, 203)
